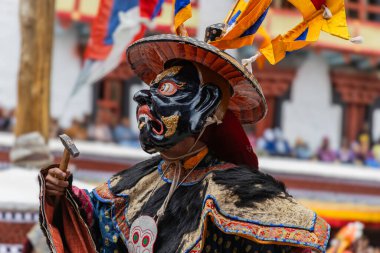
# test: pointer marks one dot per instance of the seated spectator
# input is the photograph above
(364, 149)
(269, 142)
(282, 147)
(376, 150)
(260, 144)
(76, 130)
(86, 122)
(99, 131)
(362, 245)
(12, 120)
(371, 161)
(364, 136)
(2, 118)
(301, 150)
(55, 129)
(5, 120)
(355, 147)
(345, 154)
(325, 154)
(124, 135)
(373, 156)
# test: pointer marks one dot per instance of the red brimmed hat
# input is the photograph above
(246, 104)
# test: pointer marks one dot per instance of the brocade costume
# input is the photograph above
(221, 208)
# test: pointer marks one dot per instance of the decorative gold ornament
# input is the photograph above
(171, 123)
(168, 72)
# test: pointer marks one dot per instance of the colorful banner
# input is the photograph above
(118, 24)
(318, 15)
(182, 12)
(243, 22)
(107, 20)
(246, 17)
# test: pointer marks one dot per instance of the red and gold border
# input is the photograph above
(317, 239)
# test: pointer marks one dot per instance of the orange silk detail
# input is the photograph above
(195, 160)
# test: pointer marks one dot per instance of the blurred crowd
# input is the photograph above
(104, 128)
(7, 119)
(361, 151)
(107, 126)
(351, 239)
(363, 246)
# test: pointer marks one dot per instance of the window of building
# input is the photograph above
(364, 10)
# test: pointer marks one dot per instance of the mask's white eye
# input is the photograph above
(167, 88)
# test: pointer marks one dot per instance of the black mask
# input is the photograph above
(175, 107)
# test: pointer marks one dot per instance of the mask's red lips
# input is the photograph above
(144, 115)
(144, 110)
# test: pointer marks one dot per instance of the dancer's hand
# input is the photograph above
(56, 182)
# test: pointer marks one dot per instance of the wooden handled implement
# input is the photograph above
(70, 150)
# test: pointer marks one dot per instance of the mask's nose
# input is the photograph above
(142, 97)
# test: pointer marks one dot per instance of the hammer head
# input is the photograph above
(69, 145)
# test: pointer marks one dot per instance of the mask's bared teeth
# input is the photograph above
(142, 124)
(144, 116)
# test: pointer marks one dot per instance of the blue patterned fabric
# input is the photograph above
(107, 236)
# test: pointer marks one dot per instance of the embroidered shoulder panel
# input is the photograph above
(279, 220)
(316, 239)
(277, 211)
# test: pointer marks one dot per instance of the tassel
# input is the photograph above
(230, 28)
(326, 12)
(357, 40)
(127, 21)
(147, 22)
(212, 120)
(181, 31)
(248, 62)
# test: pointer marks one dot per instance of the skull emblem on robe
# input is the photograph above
(142, 235)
